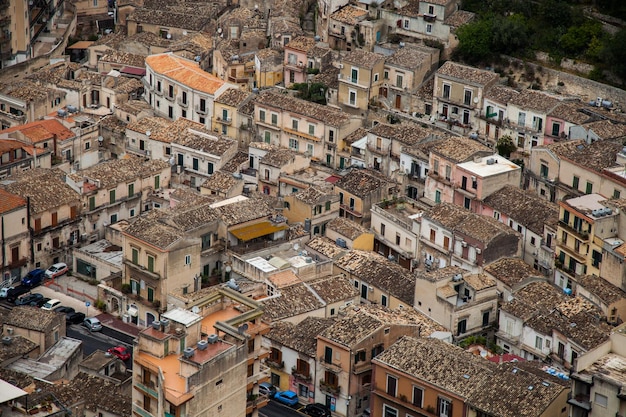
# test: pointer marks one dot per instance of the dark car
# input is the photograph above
(34, 278)
(75, 318)
(316, 410)
(41, 302)
(29, 299)
(14, 293)
(63, 309)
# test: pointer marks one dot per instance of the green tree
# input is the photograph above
(475, 41)
(510, 34)
(616, 54)
(505, 146)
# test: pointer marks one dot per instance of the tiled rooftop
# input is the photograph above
(570, 112)
(597, 156)
(410, 58)
(134, 107)
(440, 274)
(381, 273)
(326, 247)
(32, 318)
(363, 58)
(583, 328)
(184, 71)
(278, 157)
(362, 321)
(124, 58)
(535, 100)
(460, 149)
(347, 228)
(334, 288)
(117, 171)
(244, 211)
(314, 195)
(204, 143)
(329, 76)
(362, 183)
(235, 164)
(149, 229)
(232, 97)
(189, 18)
(606, 129)
(328, 115)
(301, 43)
(601, 288)
(29, 91)
(500, 93)
(464, 73)
(532, 299)
(45, 187)
(294, 300)
(301, 337)
(220, 181)
(350, 15)
(459, 18)
(41, 130)
(611, 366)
(442, 364)
(152, 124)
(511, 271)
(18, 348)
(479, 281)
(406, 133)
(525, 208)
(10, 202)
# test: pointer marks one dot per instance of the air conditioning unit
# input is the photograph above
(340, 66)
(464, 244)
(478, 251)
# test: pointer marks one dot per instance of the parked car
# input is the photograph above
(51, 304)
(317, 410)
(41, 302)
(63, 309)
(29, 299)
(14, 293)
(56, 270)
(93, 324)
(4, 291)
(289, 398)
(34, 278)
(120, 351)
(265, 388)
(75, 318)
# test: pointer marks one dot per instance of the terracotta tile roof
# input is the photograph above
(535, 100)
(134, 107)
(532, 299)
(30, 91)
(464, 73)
(455, 218)
(301, 43)
(32, 318)
(148, 228)
(235, 164)
(362, 58)
(45, 187)
(440, 274)
(329, 76)
(221, 182)
(113, 124)
(19, 348)
(412, 9)
(124, 58)
(409, 57)
(278, 157)
(244, 211)
(10, 201)
(442, 364)
(362, 182)
(42, 130)
(360, 133)
(597, 156)
(376, 270)
(500, 94)
(527, 393)
(526, 209)
(328, 115)
(584, 329)
(601, 288)
(460, 149)
(459, 18)
(479, 281)
(204, 143)
(364, 320)
(334, 289)
(326, 247)
(350, 15)
(294, 300)
(511, 271)
(152, 124)
(120, 171)
(347, 227)
(185, 72)
(181, 17)
(232, 97)
(301, 337)
(570, 111)
(605, 129)
(315, 195)
(405, 133)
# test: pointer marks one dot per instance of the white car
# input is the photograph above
(4, 291)
(56, 270)
(51, 304)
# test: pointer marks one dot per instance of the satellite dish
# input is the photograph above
(169, 36)
(100, 139)
(475, 99)
(195, 309)
(184, 33)
(243, 328)
(219, 30)
(148, 133)
(509, 298)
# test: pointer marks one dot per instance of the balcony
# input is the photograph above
(361, 367)
(200, 110)
(225, 121)
(182, 103)
(430, 17)
(329, 365)
(581, 235)
(138, 410)
(329, 388)
(141, 269)
(148, 389)
(380, 150)
(351, 210)
(238, 80)
(300, 375)
(168, 97)
(579, 400)
(299, 66)
(502, 335)
(256, 401)
(274, 364)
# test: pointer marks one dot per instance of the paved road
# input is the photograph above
(276, 409)
(93, 341)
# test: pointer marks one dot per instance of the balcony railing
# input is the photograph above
(137, 408)
(330, 365)
(182, 103)
(329, 388)
(579, 400)
(149, 389)
(580, 234)
(300, 374)
(225, 121)
(275, 364)
(201, 110)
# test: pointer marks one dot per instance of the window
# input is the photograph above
(111, 196)
(187, 259)
(467, 202)
(446, 242)
(406, 23)
(392, 385)
(351, 203)
(328, 354)
(418, 397)
(150, 263)
(310, 149)
(352, 97)
(521, 119)
(359, 356)
(157, 182)
(293, 144)
(382, 229)
(195, 163)
(159, 86)
(485, 318)
(210, 168)
(331, 135)
(386, 75)
(131, 190)
(87, 145)
(327, 207)
(575, 182)
(375, 77)
(267, 136)
(294, 124)
(429, 28)
(601, 400)
(150, 294)
(445, 407)
(589, 188)
(616, 193)
(262, 115)
(135, 255)
(202, 104)
(184, 97)
(533, 240)
(538, 342)
(274, 119)
(92, 203)
(399, 80)
(383, 301)
(354, 75)
(311, 129)
(389, 412)
(544, 171)
(397, 238)
(461, 326)
(446, 91)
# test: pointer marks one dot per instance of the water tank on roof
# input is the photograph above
(307, 225)
(491, 161)
(213, 338)
(61, 113)
(188, 352)
(156, 325)
(72, 109)
(341, 242)
(567, 291)
(607, 104)
(202, 344)
(317, 38)
(473, 135)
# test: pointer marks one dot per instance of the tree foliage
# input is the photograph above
(505, 146)
(315, 92)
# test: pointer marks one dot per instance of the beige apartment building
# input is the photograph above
(360, 76)
(15, 241)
